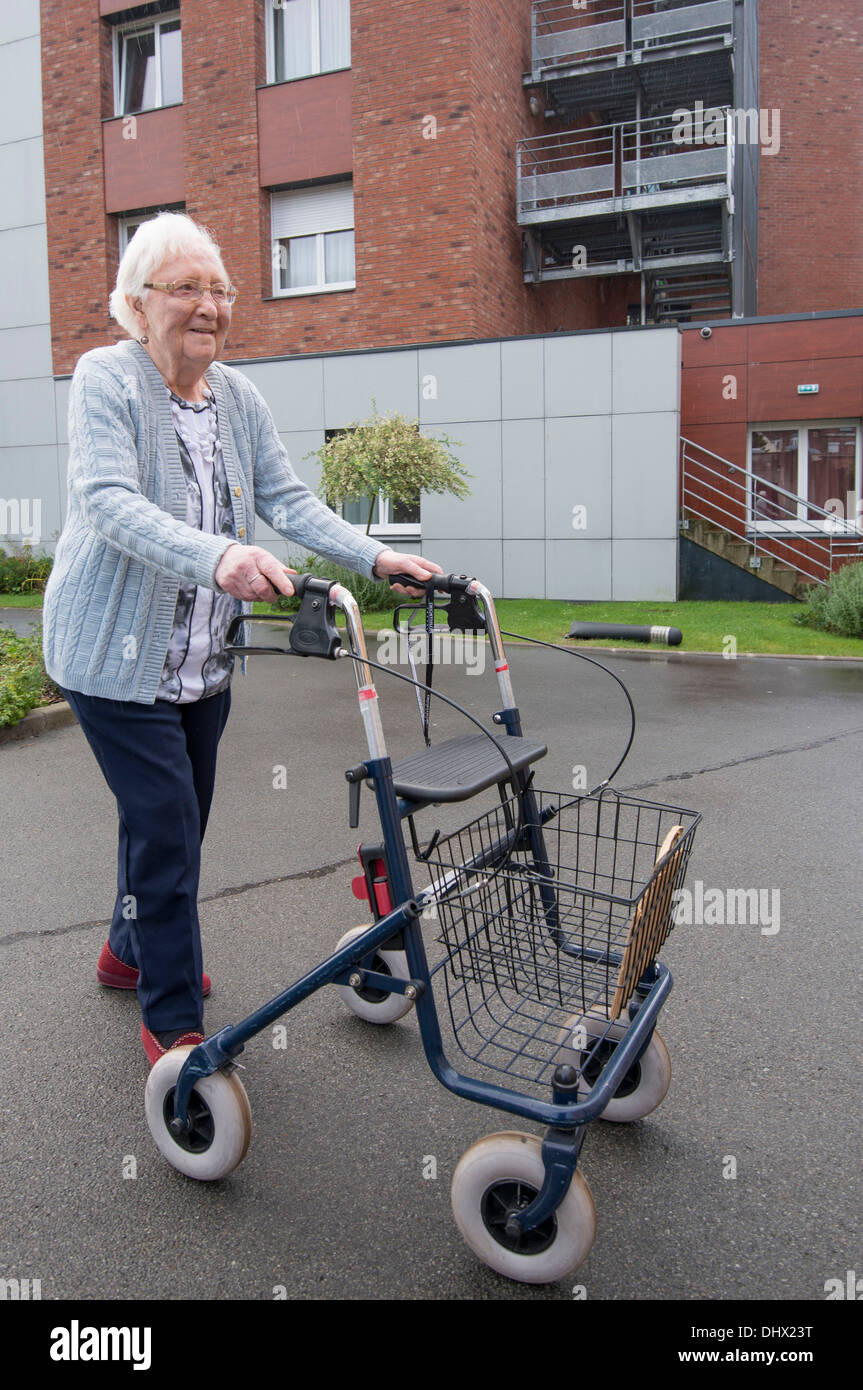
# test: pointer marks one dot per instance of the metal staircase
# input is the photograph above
(754, 523)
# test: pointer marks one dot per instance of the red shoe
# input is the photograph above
(154, 1048)
(114, 973)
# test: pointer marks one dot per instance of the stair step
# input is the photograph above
(738, 552)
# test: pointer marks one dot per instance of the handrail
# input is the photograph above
(648, 157)
(814, 552)
(606, 28)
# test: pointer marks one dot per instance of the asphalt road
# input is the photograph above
(331, 1201)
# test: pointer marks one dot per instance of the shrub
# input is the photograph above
(24, 572)
(370, 594)
(838, 605)
(388, 454)
(23, 681)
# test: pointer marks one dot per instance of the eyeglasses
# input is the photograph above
(193, 290)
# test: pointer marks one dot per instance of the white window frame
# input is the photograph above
(141, 25)
(127, 219)
(803, 524)
(406, 530)
(272, 6)
(321, 287)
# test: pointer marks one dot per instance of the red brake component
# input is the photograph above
(372, 885)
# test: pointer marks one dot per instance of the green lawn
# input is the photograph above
(767, 628)
(20, 600)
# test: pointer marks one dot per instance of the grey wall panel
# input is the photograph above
(23, 277)
(521, 364)
(27, 411)
(578, 474)
(354, 385)
(523, 569)
(23, 184)
(294, 391)
(19, 19)
(646, 370)
(25, 352)
(466, 381)
(61, 409)
(480, 514)
(644, 569)
(578, 569)
(31, 486)
(21, 89)
(578, 375)
(523, 455)
(644, 487)
(299, 444)
(480, 558)
(29, 498)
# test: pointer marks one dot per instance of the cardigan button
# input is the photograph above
(241, 531)
(238, 492)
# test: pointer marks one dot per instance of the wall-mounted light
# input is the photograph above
(536, 106)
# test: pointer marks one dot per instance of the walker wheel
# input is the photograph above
(645, 1085)
(375, 1005)
(502, 1173)
(219, 1112)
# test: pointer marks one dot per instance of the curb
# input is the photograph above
(38, 721)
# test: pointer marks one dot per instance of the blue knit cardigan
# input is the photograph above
(125, 546)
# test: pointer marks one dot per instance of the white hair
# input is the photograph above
(168, 234)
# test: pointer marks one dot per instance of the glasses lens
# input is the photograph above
(193, 289)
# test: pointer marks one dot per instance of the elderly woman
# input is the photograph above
(171, 456)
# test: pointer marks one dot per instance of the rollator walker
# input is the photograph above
(544, 917)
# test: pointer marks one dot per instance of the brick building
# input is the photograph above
(401, 124)
(384, 178)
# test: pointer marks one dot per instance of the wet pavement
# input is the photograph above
(331, 1200)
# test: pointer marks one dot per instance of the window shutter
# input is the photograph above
(304, 211)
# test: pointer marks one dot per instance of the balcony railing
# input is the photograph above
(769, 518)
(642, 163)
(564, 36)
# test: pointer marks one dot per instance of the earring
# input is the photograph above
(145, 339)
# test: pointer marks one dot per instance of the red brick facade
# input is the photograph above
(810, 245)
(747, 374)
(438, 248)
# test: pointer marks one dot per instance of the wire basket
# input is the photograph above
(550, 910)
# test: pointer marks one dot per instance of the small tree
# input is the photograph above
(387, 454)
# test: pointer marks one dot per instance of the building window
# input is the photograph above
(308, 37)
(313, 239)
(148, 65)
(388, 518)
(800, 471)
(128, 225)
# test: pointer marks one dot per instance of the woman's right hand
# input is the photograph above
(247, 572)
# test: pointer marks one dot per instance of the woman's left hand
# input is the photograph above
(399, 562)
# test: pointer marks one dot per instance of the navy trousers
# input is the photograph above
(160, 762)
